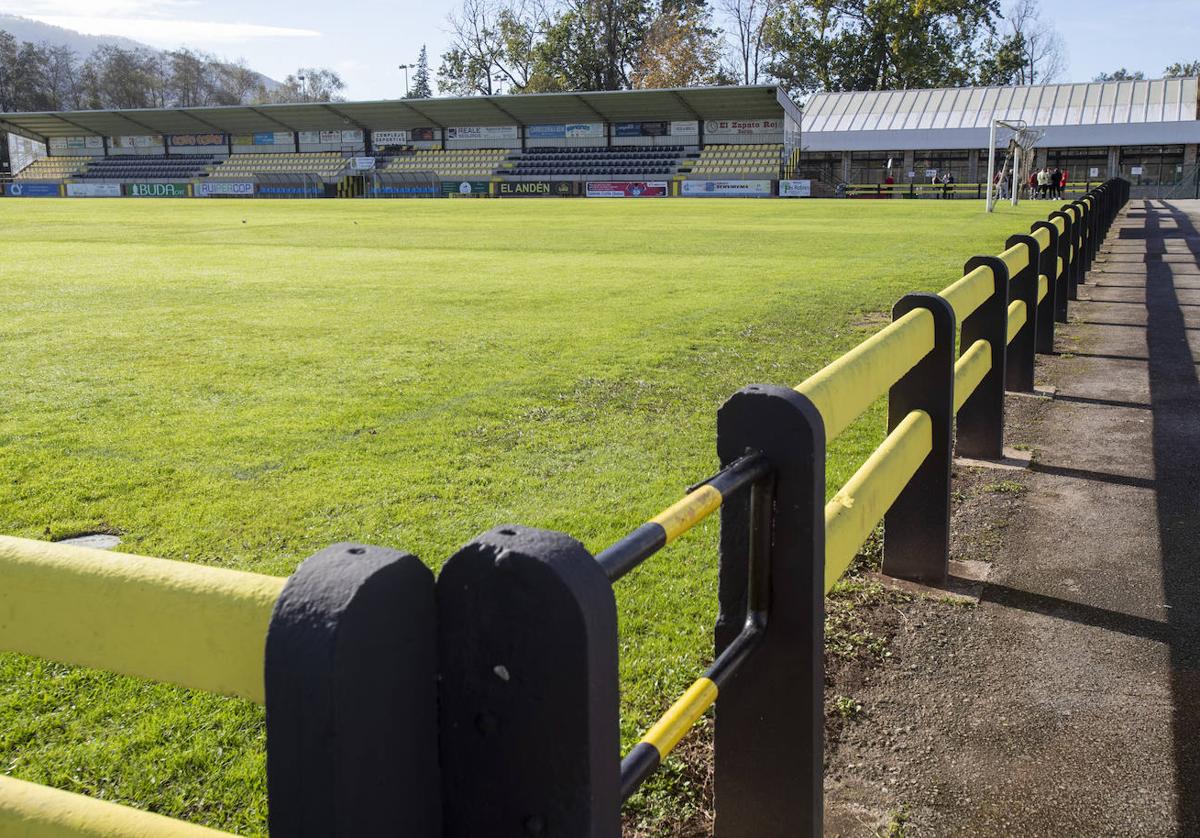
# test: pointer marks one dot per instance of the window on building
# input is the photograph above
(1080, 164)
(1152, 164)
(825, 166)
(872, 166)
(955, 161)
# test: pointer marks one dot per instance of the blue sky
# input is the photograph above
(365, 40)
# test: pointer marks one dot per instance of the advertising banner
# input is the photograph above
(641, 129)
(364, 164)
(685, 129)
(475, 188)
(423, 135)
(198, 139)
(585, 129)
(546, 132)
(726, 188)
(156, 190)
(533, 189)
(136, 142)
(264, 138)
(331, 137)
(32, 190)
(743, 126)
(93, 142)
(482, 132)
(628, 129)
(386, 138)
(627, 189)
(93, 190)
(310, 137)
(207, 188)
(795, 189)
(352, 136)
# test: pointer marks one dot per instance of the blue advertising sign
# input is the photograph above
(32, 190)
(546, 132)
(628, 129)
(264, 138)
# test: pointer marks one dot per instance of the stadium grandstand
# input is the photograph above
(751, 141)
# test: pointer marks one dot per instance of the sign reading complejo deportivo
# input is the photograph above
(156, 190)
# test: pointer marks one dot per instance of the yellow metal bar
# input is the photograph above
(867, 496)
(970, 292)
(32, 811)
(969, 370)
(1060, 223)
(1016, 258)
(197, 626)
(678, 720)
(845, 388)
(691, 510)
(1062, 266)
(1042, 236)
(1016, 318)
(1043, 286)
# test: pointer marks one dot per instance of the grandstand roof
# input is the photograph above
(691, 103)
(1154, 111)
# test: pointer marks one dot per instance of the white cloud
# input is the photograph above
(171, 33)
(37, 9)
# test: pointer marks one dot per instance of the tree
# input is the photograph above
(880, 44)
(1043, 56)
(308, 84)
(680, 49)
(1182, 70)
(420, 86)
(749, 19)
(1121, 75)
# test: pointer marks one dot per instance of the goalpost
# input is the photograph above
(1020, 142)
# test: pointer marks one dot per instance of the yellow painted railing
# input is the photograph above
(848, 386)
(970, 292)
(187, 624)
(861, 503)
(29, 810)
(969, 370)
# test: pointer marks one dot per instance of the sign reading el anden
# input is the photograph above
(534, 188)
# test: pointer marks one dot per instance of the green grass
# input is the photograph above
(241, 383)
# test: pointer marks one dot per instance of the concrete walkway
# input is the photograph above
(1068, 701)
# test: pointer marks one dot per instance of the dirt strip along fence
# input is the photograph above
(486, 702)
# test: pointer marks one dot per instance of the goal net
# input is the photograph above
(1006, 171)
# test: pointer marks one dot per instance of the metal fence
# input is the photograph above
(486, 702)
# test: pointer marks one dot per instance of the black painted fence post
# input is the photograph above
(1019, 367)
(916, 529)
(1062, 279)
(1048, 307)
(980, 432)
(1074, 262)
(351, 697)
(529, 691)
(769, 732)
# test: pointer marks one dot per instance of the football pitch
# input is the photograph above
(244, 382)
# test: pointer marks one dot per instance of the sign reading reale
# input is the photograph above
(156, 190)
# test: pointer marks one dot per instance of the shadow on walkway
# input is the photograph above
(1175, 400)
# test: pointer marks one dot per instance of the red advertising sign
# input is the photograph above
(627, 189)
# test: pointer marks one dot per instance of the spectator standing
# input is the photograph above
(1033, 184)
(1056, 183)
(1062, 183)
(947, 185)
